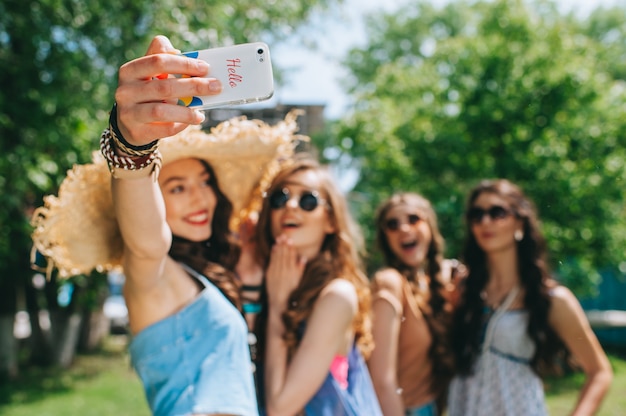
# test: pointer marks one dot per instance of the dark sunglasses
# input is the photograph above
(394, 224)
(308, 201)
(496, 212)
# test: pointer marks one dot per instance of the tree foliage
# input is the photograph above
(58, 61)
(509, 89)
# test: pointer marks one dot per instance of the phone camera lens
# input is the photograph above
(259, 51)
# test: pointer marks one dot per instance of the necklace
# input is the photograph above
(495, 315)
(495, 300)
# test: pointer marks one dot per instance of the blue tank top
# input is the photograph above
(197, 360)
(359, 399)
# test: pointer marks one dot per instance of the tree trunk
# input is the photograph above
(8, 348)
(8, 344)
(94, 329)
(65, 335)
(40, 340)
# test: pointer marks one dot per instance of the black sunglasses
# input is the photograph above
(308, 200)
(496, 212)
(394, 224)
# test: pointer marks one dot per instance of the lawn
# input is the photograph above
(561, 394)
(103, 384)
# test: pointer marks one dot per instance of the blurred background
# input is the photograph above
(425, 96)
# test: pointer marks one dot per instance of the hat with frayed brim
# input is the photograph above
(77, 230)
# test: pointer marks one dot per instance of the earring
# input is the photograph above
(518, 235)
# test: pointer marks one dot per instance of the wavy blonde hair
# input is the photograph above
(339, 257)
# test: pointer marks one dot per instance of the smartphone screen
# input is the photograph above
(245, 71)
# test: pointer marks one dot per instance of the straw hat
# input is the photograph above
(77, 230)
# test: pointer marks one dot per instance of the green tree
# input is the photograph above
(58, 64)
(508, 88)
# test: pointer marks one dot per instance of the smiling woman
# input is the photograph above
(411, 362)
(190, 200)
(514, 323)
(192, 231)
(165, 210)
(314, 332)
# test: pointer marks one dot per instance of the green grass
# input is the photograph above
(104, 384)
(101, 384)
(562, 393)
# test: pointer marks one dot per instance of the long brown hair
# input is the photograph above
(435, 305)
(339, 257)
(535, 278)
(216, 257)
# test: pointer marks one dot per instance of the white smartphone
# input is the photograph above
(245, 71)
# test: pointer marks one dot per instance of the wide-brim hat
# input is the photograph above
(77, 231)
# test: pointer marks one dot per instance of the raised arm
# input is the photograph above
(570, 323)
(146, 110)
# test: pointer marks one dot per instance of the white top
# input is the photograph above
(502, 382)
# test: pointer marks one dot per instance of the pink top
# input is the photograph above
(339, 370)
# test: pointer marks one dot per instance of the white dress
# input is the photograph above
(502, 383)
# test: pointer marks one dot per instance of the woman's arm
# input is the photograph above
(146, 110)
(386, 318)
(570, 323)
(290, 385)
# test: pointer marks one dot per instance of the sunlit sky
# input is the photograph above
(313, 77)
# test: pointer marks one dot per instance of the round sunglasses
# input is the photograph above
(496, 212)
(394, 224)
(307, 201)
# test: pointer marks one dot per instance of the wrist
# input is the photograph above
(275, 323)
(129, 167)
(277, 304)
(121, 144)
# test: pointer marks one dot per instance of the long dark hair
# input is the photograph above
(436, 307)
(535, 278)
(216, 257)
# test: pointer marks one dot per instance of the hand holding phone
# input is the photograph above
(245, 71)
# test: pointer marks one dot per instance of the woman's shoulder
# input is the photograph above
(564, 304)
(338, 295)
(388, 279)
(560, 294)
(340, 288)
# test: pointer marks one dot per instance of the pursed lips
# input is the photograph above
(487, 234)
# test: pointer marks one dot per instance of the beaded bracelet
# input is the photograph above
(121, 143)
(128, 167)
